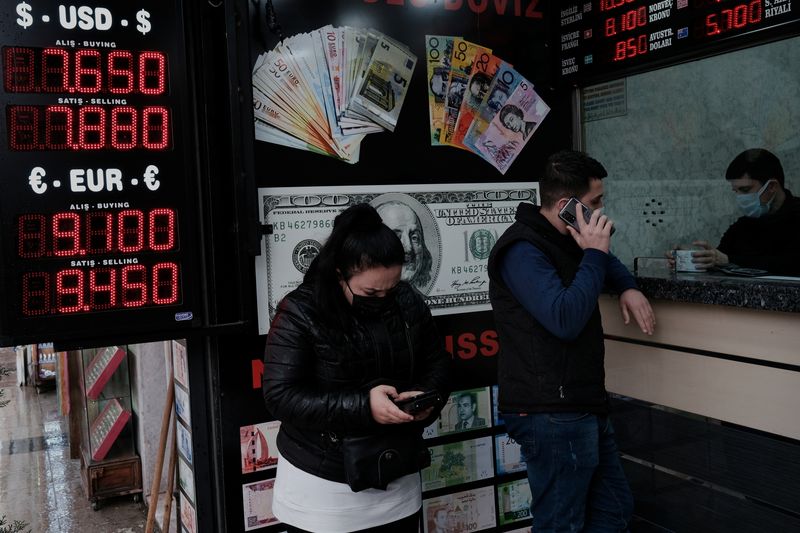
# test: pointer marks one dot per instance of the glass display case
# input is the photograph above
(109, 462)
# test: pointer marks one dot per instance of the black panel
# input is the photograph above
(605, 39)
(763, 470)
(68, 167)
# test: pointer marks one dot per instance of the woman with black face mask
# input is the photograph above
(342, 349)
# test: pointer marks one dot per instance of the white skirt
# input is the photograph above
(315, 504)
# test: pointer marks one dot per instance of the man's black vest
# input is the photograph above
(537, 371)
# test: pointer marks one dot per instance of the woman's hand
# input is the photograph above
(384, 411)
(422, 415)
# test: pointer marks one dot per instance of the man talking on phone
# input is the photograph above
(545, 280)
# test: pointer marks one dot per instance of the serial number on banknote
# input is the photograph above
(283, 225)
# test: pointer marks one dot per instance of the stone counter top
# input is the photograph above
(722, 289)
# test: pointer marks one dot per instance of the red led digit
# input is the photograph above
(740, 16)
(123, 128)
(32, 231)
(91, 127)
(102, 288)
(152, 72)
(620, 50)
(611, 26)
(165, 283)
(161, 236)
(18, 65)
(88, 76)
(23, 127)
(55, 71)
(35, 293)
(755, 12)
(134, 286)
(58, 128)
(712, 26)
(66, 234)
(130, 228)
(69, 291)
(120, 72)
(99, 232)
(155, 127)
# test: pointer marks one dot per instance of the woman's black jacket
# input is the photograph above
(317, 375)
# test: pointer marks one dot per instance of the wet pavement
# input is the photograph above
(39, 483)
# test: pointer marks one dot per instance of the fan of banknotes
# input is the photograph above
(324, 91)
(478, 102)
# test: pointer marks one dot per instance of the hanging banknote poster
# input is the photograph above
(447, 231)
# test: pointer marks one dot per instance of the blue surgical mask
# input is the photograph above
(751, 205)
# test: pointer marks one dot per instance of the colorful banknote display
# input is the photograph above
(470, 510)
(465, 410)
(259, 448)
(513, 501)
(458, 462)
(257, 498)
(478, 102)
(447, 231)
(325, 90)
(508, 455)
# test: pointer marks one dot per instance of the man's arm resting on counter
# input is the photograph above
(532, 278)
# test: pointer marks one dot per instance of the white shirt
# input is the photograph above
(316, 504)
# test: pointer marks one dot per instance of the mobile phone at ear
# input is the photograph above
(569, 214)
(419, 403)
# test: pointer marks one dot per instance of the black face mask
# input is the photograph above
(372, 305)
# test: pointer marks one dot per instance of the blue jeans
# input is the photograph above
(576, 479)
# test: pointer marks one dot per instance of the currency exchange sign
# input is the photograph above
(449, 231)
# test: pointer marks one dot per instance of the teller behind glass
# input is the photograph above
(347, 342)
(766, 237)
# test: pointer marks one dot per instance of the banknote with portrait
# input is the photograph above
(447, 231)
(465, 410)
(469, 510)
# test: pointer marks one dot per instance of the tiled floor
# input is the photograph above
(39, 483)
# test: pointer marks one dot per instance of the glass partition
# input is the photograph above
(666, 138)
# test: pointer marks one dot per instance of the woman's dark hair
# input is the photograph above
(359, 241)
(758, 164)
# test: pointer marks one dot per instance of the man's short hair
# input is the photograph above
(568, 173)
(759, 164)
(473, 398)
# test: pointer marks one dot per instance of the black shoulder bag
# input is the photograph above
(373, 461)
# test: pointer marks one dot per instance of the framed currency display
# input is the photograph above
(106, 428)
(458, 462)
(101, 368)
(468, 510)
(513, 501)
(465, 410)
(454, 228)
(110, 465)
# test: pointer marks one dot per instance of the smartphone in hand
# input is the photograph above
(419, 403)
(569, 214)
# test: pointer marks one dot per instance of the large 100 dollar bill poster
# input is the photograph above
(447, 231)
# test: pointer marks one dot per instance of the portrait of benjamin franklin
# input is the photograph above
(412, 226)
